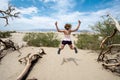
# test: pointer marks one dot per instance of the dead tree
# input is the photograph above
(6, 14)
(6, 45)
(29, 60)
(103, 52)
(9, 13)
(109, 47)
(112, 64)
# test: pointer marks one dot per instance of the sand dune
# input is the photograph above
(66, 66)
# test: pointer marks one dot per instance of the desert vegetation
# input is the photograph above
(101, 29)
(6, 34)
(42, 39)
(87, 41)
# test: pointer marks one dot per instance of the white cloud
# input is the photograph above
(28, 11)
(36, 22)
(61, 15)
(4, 4)
(47, 22)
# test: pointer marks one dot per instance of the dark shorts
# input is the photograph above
(66, 42)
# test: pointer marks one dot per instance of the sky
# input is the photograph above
(42, 14)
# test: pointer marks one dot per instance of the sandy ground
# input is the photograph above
(66, 66)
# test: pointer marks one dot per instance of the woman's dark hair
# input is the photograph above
(67, 26)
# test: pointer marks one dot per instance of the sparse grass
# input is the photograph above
(5, 34)
(42, 39)
(86, 41)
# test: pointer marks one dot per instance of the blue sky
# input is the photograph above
(42, 14)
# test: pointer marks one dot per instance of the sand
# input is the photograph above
(80, 66)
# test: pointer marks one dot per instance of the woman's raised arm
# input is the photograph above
(79, 22)
(57, 27)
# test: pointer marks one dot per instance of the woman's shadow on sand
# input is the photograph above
(70, 59)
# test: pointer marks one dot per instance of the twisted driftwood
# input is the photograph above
(30, 59)
(107, 51)
(112, 67)
(114, 63)
(106, 38)
(103, 52)
(6, 45)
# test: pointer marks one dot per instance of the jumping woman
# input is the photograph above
(67, 39)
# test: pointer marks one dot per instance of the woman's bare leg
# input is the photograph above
(61, 47)
(71, 47)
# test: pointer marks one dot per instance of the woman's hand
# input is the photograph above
(79, 21)
(56, 23)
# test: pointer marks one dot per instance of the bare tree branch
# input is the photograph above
(106, 38)
(9, 13)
